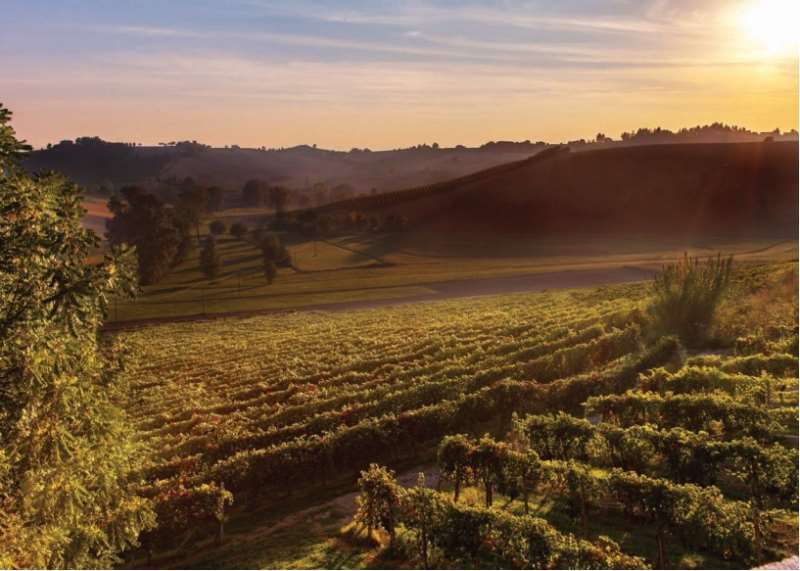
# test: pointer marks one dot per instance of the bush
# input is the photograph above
(217, 227)
(687, 295)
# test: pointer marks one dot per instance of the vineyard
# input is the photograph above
(571, 384)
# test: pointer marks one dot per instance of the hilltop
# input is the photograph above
(738, 189)
(94, 163)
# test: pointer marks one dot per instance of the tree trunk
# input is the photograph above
(584, 519)
(489, 499)
(525, 501)
(661, 561)
(424, 546)
(757, 532)
(221, 532)
(457, 490)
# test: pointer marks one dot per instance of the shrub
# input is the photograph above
(687, 295)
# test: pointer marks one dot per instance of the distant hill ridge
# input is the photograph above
(680, 189)
(95, 163)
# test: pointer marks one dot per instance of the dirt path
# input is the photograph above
(346, 503)
(563, 279)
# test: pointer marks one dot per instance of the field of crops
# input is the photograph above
(274, 404)
(702, 462)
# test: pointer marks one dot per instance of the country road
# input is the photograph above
(562, 279)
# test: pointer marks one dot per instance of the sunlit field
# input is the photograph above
(285, 410)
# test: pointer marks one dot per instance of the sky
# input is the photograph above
(388, 74)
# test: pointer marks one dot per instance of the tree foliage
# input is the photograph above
(67, 460)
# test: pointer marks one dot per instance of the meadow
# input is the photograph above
(378, 267)
(284, 411)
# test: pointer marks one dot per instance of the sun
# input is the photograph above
(772, 24)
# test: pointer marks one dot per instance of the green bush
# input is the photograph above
(687, 295)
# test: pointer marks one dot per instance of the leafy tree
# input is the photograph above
(217, 227)
(422, 508)
(687, 295)
(238, 230)
(487, 458)
(158, 233)
(558, 437)
(582, 489)
(524, 472)
(454, 454)
(378, 500)
(67, 458)
(210, 262)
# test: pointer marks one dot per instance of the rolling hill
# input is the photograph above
(736, 189)
(93, 163)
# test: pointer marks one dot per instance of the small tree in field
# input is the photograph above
(378, 500)
(210, 261)
(238, 230)
(270, 270)
(217, 227)
(454, 460)
(687, 295)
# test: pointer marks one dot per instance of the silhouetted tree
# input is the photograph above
(140, 219)
(254, 193)
(210, 262)
(215, 198)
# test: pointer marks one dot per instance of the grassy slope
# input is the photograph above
(687, 190)
(380, 267)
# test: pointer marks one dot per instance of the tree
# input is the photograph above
(160, 234)
(215, 198)
(272, 250)
(217, 227)
(422, 508)
(68, 462)
(582, 489)
(270, 270)
(278, 197)
(453, 456)
(378, 500)
(238, 230)
(254, 193)
(487, 459)
(210, 262)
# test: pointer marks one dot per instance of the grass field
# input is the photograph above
(393, 266)
(286, 409)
